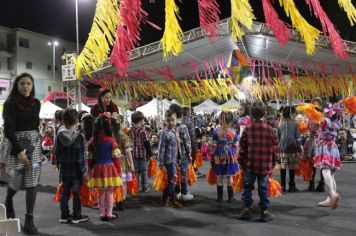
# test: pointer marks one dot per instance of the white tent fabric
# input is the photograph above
(84, 107)
(175, 101)
(150, 109)
(207, 106)
(47, 110)
(231, 104)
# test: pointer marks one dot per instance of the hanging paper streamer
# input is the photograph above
(350, 104)
(279, 28)
(241, 12)
(274, 187)
(211, 178)
(305, 170)
(132, 186)
(101, 38)
(349, 9)
(209, 17)
(173, 34)
(309, 33)
(199, 162)
(328, 28)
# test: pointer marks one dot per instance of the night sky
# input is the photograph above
(57, 17)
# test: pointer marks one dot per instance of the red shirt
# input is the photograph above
(258, 148)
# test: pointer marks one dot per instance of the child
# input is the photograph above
(103, 154)
(126, 162)
(70, 158)
(327, 157)
(257, 158)
(167, 158)
(224, 160)
(205, 148)
(141, 148)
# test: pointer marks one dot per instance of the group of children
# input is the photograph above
(111, 161)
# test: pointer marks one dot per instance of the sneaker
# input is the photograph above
(245, 214)
(171, 202)
(266, 216)
(79, 219)
(186, 197)
(145, 190)
(326, 203)
(65, 219)
(179, 196)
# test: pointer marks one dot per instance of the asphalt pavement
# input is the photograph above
(295, 213)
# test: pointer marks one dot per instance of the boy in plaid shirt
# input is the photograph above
(257, 158)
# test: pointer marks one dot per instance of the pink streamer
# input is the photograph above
(328, 27)
(278, 27)
(209, 17)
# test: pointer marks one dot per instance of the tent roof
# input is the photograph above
(259, 43)
(232, 103)
(150, 108)
(48, 109)
(206, 106)
(84, 107)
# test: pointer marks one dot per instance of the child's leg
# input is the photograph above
(144, 173)
(246, 196)
(102, 206)
(77, 210)
(65, 198)
(263, 192)
(124, 190)
(334, 182)
(326, 173)
(220, 188)
(230, 191)
(283, 179)
(109, 199)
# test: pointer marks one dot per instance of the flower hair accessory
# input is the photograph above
(106, 115)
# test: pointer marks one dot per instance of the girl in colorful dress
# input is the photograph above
(327, 156)
(244, 118)
(224, 159)
(104, 166)
(126, 162)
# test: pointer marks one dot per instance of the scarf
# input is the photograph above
(24, 103)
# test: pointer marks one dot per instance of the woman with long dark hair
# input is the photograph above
(22, 147)
(105, 104)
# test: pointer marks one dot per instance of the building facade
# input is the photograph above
(25, 51)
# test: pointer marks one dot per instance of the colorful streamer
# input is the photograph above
(349, 9)
(241, 12)
(173, 34)
(209, 17)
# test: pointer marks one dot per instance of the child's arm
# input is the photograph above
(81, 162)
(161, 149)
(243, 147)
(274, 147)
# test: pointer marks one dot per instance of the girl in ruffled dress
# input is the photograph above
(104, 167)
(327, 156)
(224, 159)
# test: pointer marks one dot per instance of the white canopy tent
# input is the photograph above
(231, 104)
(84, 107)
(48, 109)
(150, 109)
(207, 106)
(175, 101)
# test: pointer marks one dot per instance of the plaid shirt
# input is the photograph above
(138, 137)
(167, 147)
(185, 150)
(187, 122)
(71, 159)
(258, 148)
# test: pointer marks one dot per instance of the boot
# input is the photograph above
(220, 193)
(230, 193)
(171, 202)
(311, 187)
(321, 186)
(29, 226)
(10, 212)
(164, 197)
(292, 187)
(283, 180)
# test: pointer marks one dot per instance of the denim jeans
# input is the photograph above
(140, 165)
(172, 178)
(67, 186)
(246, 196)
(183, 187)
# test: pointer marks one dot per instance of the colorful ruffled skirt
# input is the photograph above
(225, 164)
(327, 155)
(104, 176)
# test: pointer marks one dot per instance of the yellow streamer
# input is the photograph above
(101, 37)
(349, 9)
(241, 11)
(309, 33)
(173, 34)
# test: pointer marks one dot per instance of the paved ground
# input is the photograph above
(295, 213)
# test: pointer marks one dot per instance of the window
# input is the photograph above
(29, 65)
(49, 88)
(24, 43)
(56, 68)
(49, 67)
